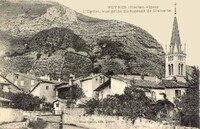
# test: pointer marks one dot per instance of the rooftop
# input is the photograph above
(104, 85)
(4, 99)
(152, 84)
(91, 76)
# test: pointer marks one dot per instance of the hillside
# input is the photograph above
(57, 40)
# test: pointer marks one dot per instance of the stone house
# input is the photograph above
(90, 83)
(45, 89)
(24, 81)
(7, 86)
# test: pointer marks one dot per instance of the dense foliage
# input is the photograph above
(26, 101)
(92, 105)
(38, 124)
(76, 92)
(189, 103)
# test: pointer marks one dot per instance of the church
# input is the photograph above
(176, 57)
(175, 65)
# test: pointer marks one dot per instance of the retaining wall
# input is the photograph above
(10, 115)
(114, 122)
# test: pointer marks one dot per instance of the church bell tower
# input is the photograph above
(175, 65)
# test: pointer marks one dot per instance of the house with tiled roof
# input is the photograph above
(155, 90)
(90, 83)
(117, 83)
(24, 81)
(7, 86)
(62, 91)
(103, 90)
(45, 89)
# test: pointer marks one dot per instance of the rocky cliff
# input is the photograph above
(50, 38)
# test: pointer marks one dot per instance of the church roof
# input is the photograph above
(175, 38)
(172, 84)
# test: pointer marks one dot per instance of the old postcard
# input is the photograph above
(99, 64)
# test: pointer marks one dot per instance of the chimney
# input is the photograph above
(156, 80)
(48, 78)
(71, 79)
(59, 80)
(142, 76)
(91, 74)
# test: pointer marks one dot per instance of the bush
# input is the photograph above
(91, 105)
(47, 106)
(132, 104)
(39, 124)
(26, 102)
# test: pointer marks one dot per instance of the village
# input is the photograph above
(65, 98)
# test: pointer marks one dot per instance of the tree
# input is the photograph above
(161, 109)
(26, 102)
(91, 105)
(75, 93)
(190, 101)
(137, 104)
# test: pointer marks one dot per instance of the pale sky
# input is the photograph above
(158, 24)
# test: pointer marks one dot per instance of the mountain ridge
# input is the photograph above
(139, 52)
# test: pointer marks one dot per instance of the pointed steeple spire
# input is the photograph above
(175, 39)
(175, 8)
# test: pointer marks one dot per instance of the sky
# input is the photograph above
(158, 24)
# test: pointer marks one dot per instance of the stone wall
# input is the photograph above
(10, 115)
(114, 122)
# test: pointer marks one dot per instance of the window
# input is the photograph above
(177, 93)
(57, 104)
(47, 87)
(15, 83)
(172, 69)
(153, 95)
(32, 82)
(169, 66)
(16, 76)
(22, 83)
(181, 69)
(102, 79)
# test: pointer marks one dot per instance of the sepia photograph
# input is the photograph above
(99, 64)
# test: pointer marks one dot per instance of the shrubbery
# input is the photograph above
(39, 124)
(132, 104)
(25, 101)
